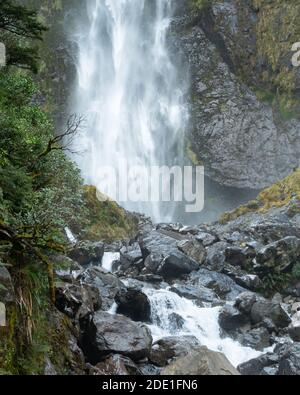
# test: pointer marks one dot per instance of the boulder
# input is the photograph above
(224, 286)
(169, 348)
(201, 362)
(245, 301)
(249, 281)
(258, 338)
(256, 366)
(236, 256)
(294, 328)
(131, 256)
(193, 249)
(116, 365)
(7, 294)
(133, 304)
(206, 239)
(281, 255)
(175, 266)
(117, 334)
(265, 309)
(289, 363)
(152, 262)
(87, 252)
(216, 256)
(231, 319)
(198, 293)
(166, 259)
(108, 284)
(77, 300)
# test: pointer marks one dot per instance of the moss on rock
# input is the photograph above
(106, 220)
(278, 195)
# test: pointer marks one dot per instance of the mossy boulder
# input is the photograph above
(283, 193)
(106, 220)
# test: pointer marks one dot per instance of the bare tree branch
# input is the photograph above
(64, 141)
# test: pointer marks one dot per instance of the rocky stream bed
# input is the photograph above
(186, 300)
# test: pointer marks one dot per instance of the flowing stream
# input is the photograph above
(173, 315)
(199, 322)
(130, 92)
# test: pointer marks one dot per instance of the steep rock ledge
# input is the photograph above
(242, 130)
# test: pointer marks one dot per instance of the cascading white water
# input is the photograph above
(173, 315)
(129, 90)
(199, 322)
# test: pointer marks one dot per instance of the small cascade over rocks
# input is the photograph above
(173, 315)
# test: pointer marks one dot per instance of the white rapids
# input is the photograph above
(108, 260)
(199, 322)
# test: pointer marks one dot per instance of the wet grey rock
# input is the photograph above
(259, 339)
(249, 281)
(174, 263)
(77, 300)
(255, 367)
(149, 369)
(237, 137)
(245, 301)
(197, 293)
(231, 319)
(108, 284)
(130, 256)
(133, 304)
(216, 256)
(281, 255)
(155, 242)
(236, 256)
(264, 309)
(175, 266)
(189, 230)
(152, 262)
(221, 284)
(289, 363)
(206, 239)
(193, 249)
(118, 335)
(294, 328)
(116, 365)
(150, 278)
(7, 294)
(87, 252)
(169, 348)
(201, 362)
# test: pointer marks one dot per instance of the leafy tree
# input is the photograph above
(18, 27)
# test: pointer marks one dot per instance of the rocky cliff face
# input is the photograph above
(244, 88)
(245, 92)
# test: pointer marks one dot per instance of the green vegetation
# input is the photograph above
(105, 220)
(278, 282)
(277, 30)
(41, 192)
(199, 4)
(278, 195)
(18, 27)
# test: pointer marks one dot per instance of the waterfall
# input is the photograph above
(130, 91)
